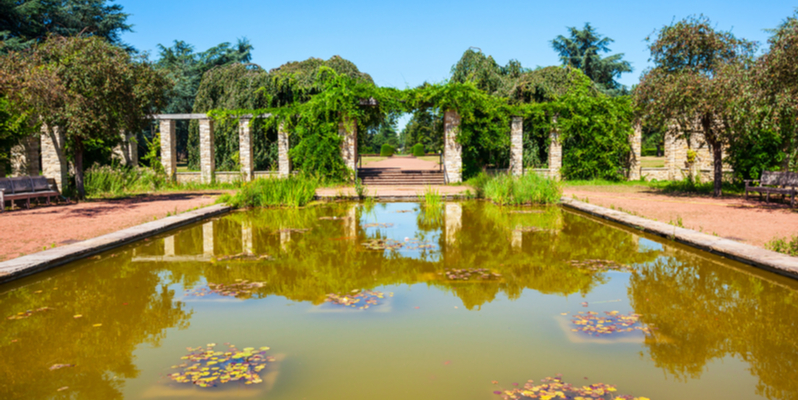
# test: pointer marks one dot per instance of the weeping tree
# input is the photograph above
(695, 83)
(88, 88)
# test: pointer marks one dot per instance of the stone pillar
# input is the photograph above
(207, 150)
(169, 245)
(169, 157)
(515, 165)
(246, 149)
(127, 152)
(673, 160)
(284, 163)
(208, 238)
(452, 219)
(452, 149)
(54, 161)
(25, 157)
(636, 152)
(247, 237)
(554, 152)
(349, 132)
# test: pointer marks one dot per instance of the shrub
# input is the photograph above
(418, 150)
(293, 191)
(387, 150)
(527, 189)
(649, 152)
(105, 181)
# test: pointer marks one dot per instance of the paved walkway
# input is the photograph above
(747, 221)
(28, 231)
(404, 163)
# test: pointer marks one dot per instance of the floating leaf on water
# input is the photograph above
(209, 367)
(360, 299)
(404, 211)
(28, 313)
(241, 289)
(612, 322)
(378, 225)
(601, 265)
(61, 389)
(333, 218)
(59, 366)
(76, 316)
(466, 274)
(556, 388)
(96, 325)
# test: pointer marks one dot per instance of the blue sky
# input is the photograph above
(403, 44)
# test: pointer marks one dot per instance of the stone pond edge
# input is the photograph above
(33, 263)
(768, 260)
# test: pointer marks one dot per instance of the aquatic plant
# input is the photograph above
(357, 299)
(613, 322)
(430, 198)
(526, 189)
(556, 388)
(207, 368)
(292, 191)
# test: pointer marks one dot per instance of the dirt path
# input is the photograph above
(748, 221)
(28, 231)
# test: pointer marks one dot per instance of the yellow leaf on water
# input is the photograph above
(63, 388)
(96, 325)
(77, 316)
(264, 348)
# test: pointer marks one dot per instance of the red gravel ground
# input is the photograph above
(28, 231)
(749, 221)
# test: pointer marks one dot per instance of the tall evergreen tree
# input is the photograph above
(582, 50)
(25, 22)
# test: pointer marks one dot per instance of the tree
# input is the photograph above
(88, 88)
(694, 83)
(485, 73)
(425, 127)
(582, 50)
(385, 133)
(24, 23)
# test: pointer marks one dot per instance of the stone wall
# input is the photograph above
(187, 177)
(676, 149)
(25, 157)
(54, 160)
(659, 174)
(452, 149)
(207, 165)
(219, 176)
(515, 164)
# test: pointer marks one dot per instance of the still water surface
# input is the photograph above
(709, 328)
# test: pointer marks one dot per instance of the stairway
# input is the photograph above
(397, 176)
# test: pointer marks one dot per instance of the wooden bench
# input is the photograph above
(782, 183)
(27, 188)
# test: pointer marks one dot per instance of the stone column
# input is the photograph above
(284, 163)
(207, 150)
(25, 157)
(208, 238)
(554, 152)
(246, 149)
(452, 219)
(247, 237)
(169, 245)
(452, 149)
(672, 147)
(349, 132)
(515, 165)
(54, 161)
(636, 152)
(169, 157)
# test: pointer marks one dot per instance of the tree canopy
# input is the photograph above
(583, 49)
(24, 23)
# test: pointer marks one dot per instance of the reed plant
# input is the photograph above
(293, 191)
(430, 198)
(521, 190)
(114, 181)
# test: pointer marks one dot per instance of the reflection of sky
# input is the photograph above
(646, 245)
(404, 226)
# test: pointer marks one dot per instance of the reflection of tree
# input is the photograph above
(704, 311)
(97, 291)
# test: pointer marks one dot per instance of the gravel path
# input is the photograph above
(28, 231)
(748, 221)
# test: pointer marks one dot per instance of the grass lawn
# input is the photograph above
(653, 162)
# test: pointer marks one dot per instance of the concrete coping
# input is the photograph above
(772, 261)
(44, 260)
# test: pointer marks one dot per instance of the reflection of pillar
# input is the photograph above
(54, 160)
(286, 237)
(207, 150)
(284, 162)
(25, 157)
(636, 152)
(352, 223)
(169, 245)
(452, 218)
(554, 152)
(246, 149)
(247, 237)
(169, 156)
(515, 165)
(208, 238)
(349, 133)
(452, 149)
(516, 237)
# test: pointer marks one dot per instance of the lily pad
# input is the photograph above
(28, 313)
(610, 323)
(359, 299)
(206, 367)
(378, 225)
(382, 244)
(238, 289)
(601, 265)
(466, 274)
(556, 388)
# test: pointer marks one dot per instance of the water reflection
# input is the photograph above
(704, 309)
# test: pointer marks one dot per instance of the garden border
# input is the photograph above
(771, 261)
(44, 260)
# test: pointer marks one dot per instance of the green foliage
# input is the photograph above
(783, 245)
(359, 187)
(387, 150)
(485, 73)
(26, 23)
(425, 127)
(582, 50)
(430, 200)
(15, 125)
(293, 191)
(115, 181)
(418, 150)
(528, 189)
(376, 138)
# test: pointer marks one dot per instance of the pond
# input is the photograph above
(396, 301)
